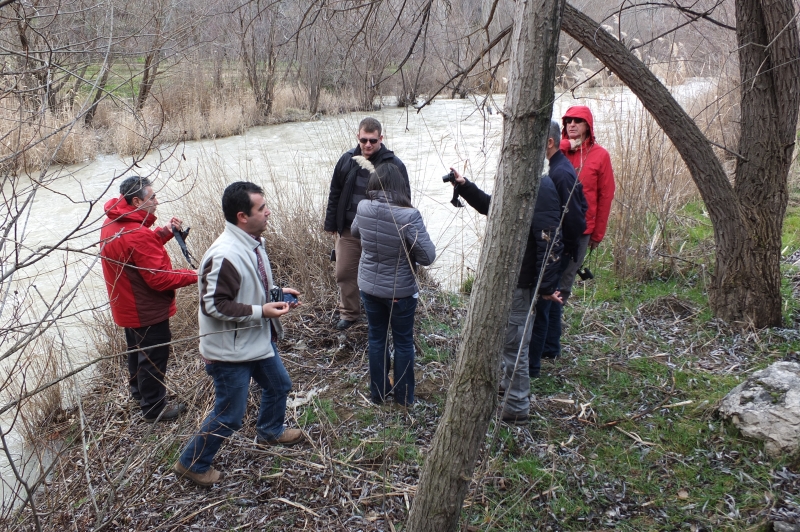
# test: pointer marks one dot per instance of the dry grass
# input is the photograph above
(184, 105)
(34, 142)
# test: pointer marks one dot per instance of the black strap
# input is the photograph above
(180, 238)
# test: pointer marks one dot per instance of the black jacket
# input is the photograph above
(344, 179)
(563, 175)
(543, 232)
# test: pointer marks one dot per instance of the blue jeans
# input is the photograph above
(541, 334)
(399, 313)
(231, 386)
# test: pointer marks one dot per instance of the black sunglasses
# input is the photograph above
(569, 120)
(371, 141)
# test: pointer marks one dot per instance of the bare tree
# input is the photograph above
(747, 215)
(473, 392)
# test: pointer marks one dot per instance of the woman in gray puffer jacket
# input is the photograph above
(393, 242)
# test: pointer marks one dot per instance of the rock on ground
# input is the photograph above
(766, 407)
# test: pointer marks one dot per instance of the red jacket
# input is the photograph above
(139, 276)
(593, 166)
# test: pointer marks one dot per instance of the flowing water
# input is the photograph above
(295, 158)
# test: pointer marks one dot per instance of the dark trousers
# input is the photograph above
(147, 365)
(399, 313)
(544, 334)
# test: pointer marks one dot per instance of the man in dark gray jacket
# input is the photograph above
(348, 188)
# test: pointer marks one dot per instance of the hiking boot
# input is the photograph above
(169, 413)
(515, 419)
(288, 438)
(205, 479)
(344, 324)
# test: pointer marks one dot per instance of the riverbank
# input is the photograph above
(624, 433)
(181, 109)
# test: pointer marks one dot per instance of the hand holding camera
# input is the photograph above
(454, 178)
(284, 296)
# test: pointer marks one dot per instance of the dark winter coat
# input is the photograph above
(344, 180)
(543, 232)
(393, 239)
(138, 272)
(570, 192)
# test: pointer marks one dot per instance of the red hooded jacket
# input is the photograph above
(593, 166)
(139, 276)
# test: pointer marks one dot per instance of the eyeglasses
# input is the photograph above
(371, 141)
(569, 120)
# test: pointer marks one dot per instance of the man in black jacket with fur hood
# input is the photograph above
(348, 188)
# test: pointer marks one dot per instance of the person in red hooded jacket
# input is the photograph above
(593, 166)
(141, 287)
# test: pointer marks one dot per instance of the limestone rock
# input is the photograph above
(766, 407)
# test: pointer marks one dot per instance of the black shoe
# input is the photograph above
(169, 413)
(515, 419)
(344, 324)
(551, 356)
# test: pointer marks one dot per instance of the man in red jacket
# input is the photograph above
(141, 289)
(593, 166)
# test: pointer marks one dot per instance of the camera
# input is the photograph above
(276, 295)
(585, 274)
(449, 178)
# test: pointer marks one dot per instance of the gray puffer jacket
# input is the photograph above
(393, 239)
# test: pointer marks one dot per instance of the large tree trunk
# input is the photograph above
(747, 218)
(472, 397)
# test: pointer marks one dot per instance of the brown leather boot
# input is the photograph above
(205, 479)
(289, 437)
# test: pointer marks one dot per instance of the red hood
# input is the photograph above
(118, 208)
(579, 111)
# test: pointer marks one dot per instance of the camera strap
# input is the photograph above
(180, 238)
(455, 201)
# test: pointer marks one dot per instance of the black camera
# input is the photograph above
(449, 178)
(585, 274)
(276, 295)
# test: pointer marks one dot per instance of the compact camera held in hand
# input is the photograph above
(449, 178)
(277, 295)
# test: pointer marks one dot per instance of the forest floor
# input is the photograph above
(624, 432)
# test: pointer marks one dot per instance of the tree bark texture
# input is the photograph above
(472, 397)
(748, 216)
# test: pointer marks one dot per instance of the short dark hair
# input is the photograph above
(555, 132)
(387, 177)
(369, 125)
(133, 187)
(236, 199)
